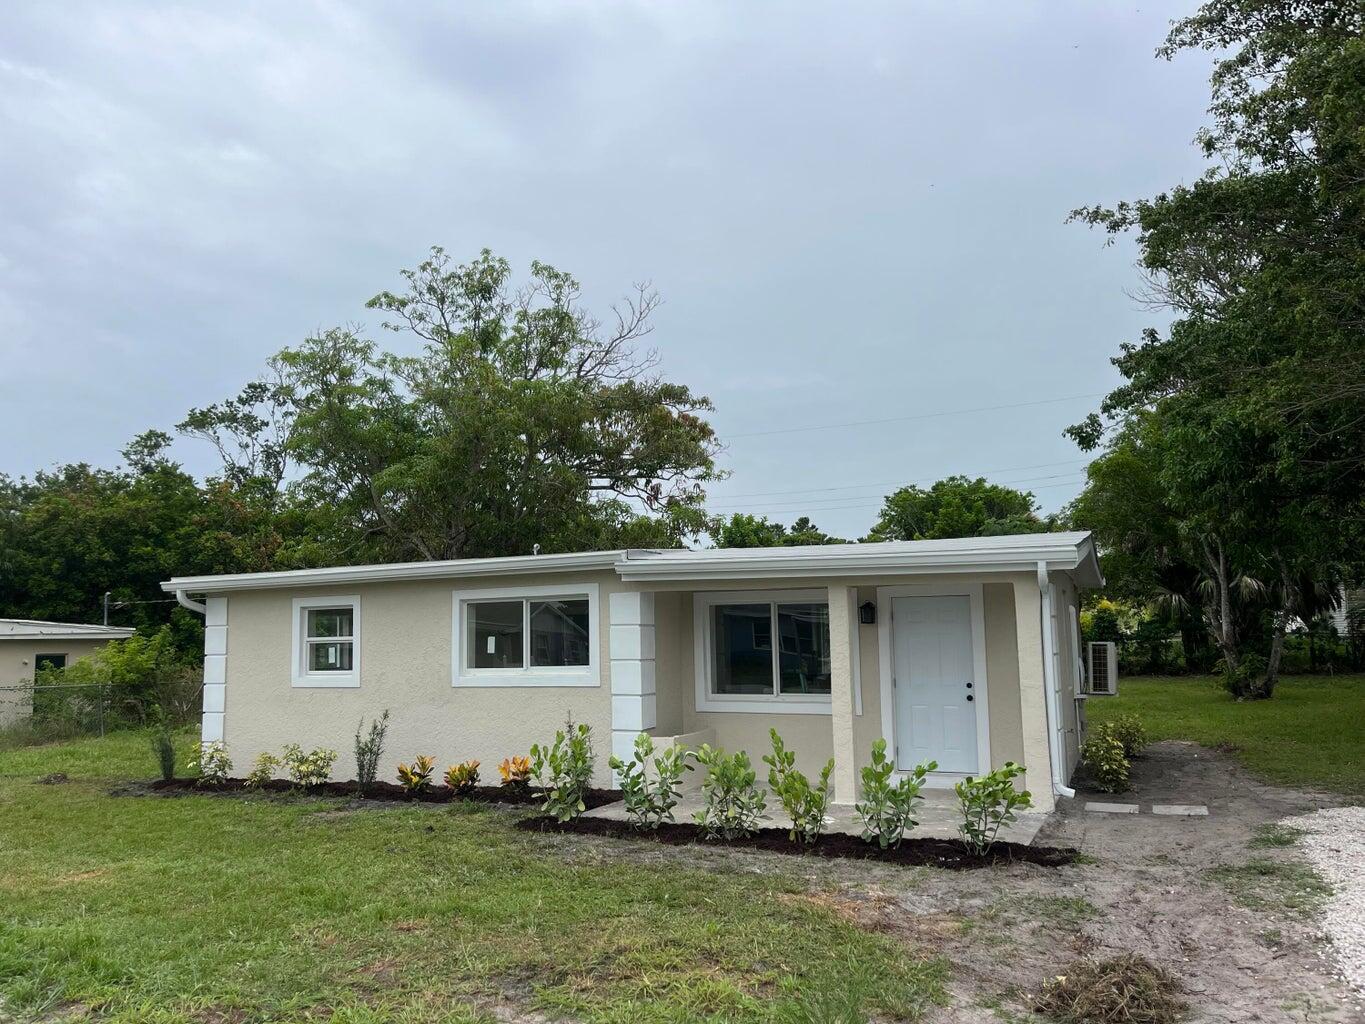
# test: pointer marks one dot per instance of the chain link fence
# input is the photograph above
(44, 712)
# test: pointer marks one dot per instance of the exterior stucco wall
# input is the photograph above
(405, 666)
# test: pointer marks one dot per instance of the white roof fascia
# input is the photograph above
(464, 568)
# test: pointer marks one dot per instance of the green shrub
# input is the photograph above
(369, 749)
(733, 804)
(650, 803)
(564, 771)
(805, 804)
(212, 764)
(308, 769)
(416, 777)
(1104, 760)
(1130, 732)
(163, 746)
(888, 808)
(263, 770)
(988, 803)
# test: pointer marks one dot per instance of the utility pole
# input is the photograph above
(107, 594)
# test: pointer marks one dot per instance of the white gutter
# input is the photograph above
(1054, 712)
(198, 607)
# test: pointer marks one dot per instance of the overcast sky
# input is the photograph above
(854, 212)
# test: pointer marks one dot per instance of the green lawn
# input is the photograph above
(1311, 733)
(199, 908)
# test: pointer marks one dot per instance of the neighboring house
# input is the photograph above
(1349, 615)
(958, 651)
(27, 645)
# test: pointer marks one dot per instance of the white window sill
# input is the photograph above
(327, 681)
(489, 680)
(766, 706)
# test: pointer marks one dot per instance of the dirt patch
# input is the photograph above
(937, 853)
(52, 779)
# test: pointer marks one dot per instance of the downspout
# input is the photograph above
(198, 607)
(1054, 712)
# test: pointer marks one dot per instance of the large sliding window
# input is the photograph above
(761, 650)
(530, 637)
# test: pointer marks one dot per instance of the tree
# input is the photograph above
(1258, 382)
(957, 507)
(742, 530)
(523, 423)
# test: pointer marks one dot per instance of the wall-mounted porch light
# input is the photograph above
(867, 613)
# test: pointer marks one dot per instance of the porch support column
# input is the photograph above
(1028, 620)
(631, 639)
(842, 634)
(215, 668)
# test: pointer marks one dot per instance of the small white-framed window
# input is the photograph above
(326, 648)
(740, 668)
(526, 636)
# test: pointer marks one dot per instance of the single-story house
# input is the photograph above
(29, 645)
(964, 652)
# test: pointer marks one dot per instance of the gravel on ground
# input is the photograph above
(1335, 845)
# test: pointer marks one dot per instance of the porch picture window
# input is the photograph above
(746, 662)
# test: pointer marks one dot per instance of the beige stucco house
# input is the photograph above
(963, 652)
(28, 644)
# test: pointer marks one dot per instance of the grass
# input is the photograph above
(1273, 836)
(1308, 734)
(202, 908)
(1263, 884)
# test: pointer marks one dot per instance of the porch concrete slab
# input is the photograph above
(1103, 808)
(938, 817)
(1181, 810)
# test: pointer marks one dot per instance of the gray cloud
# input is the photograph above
(853, 212)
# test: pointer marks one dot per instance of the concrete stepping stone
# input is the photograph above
(1181, 810)
(1104, 808)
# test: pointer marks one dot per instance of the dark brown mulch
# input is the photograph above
(519, 795)
(938, 853)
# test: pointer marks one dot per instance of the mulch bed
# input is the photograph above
(516, 795)
(914, 852)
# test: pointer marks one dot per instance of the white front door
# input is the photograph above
(936, 689)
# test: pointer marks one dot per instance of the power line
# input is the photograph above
(923, 482)
(917, 416)
(856, 501)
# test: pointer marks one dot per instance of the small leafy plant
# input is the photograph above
(733, 804)
(416, 777)
(309, 769)
(564, 771)
(263, 770)
(1129, 730)
(515, 771)
(463, 777)
(888, 808)
(163, 746)
(805, 804)
(649, 803)
(1103, 756)
(369, 749)
(212, 765)
(988, 803)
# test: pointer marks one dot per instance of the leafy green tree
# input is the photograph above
(742, 530)
(523, 422)
(1258, 383)
(957, 507)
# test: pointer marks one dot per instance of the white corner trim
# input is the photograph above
(298, 672)
(494, 678)
(885, 625)
(777, 704)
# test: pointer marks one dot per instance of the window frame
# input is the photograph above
(300, 675)
(38, 660)
(528, 675)
(704, 647)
